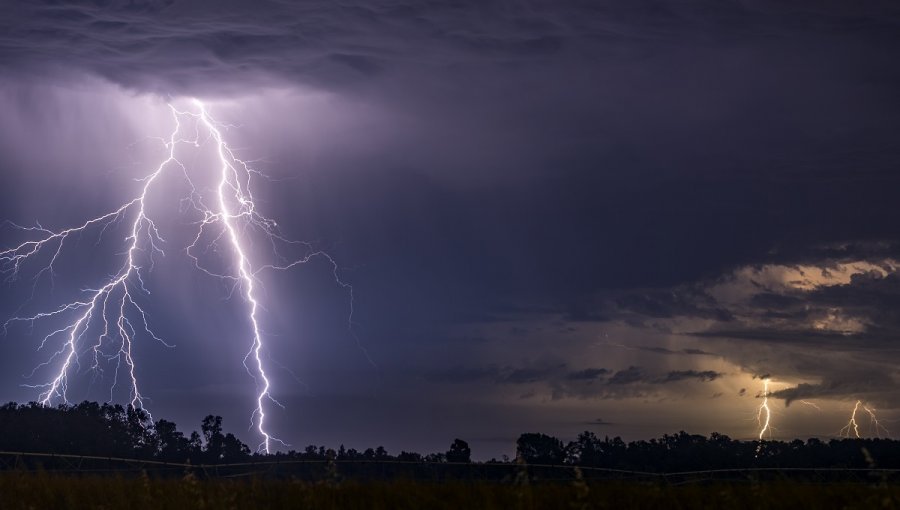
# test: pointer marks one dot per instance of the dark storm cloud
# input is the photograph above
(629, 375)
(662, 350)
(172, 45)
(870, 386)
(870, 298)
(632, 375)
(562, 382)
(527, 375)
(588, 374)
(785, 336)
(694, 352)
(681, 375)
(539, 372)
(599, 422)
(670, 304)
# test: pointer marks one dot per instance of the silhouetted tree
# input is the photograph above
(535, 448)
(436, 457)
(171, 445)
(459, 451)
(212, 437)
(586, 450)
(233, 450)
(195, 445)
(410, 457)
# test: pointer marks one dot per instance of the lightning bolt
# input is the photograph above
(114, 307)
(763, 413)
(876, 427)
(120, 287)
(811, 404)
(852, 426)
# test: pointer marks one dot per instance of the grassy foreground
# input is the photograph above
(39, 491)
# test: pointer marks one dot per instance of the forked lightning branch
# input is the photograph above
(104, 324)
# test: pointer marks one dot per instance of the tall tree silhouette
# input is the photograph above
(459, 451)
(535, 448)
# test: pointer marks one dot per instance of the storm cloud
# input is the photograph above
(173, 46)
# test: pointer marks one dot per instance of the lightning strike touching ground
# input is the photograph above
(106, 322)
(852, 427)
(764, 414)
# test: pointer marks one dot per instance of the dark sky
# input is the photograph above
(555, 216)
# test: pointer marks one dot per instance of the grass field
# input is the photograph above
(22, 490)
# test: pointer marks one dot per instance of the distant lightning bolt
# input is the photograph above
(852, 427)
(764, 414)
(811, 404)
(876, 427)
(113, 304)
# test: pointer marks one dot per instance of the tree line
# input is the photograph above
(112, 430)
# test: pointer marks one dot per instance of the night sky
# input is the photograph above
(556, 216)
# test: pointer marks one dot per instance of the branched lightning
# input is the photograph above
(119, 288)
(876, 427)
(105, 323)
(851, 429)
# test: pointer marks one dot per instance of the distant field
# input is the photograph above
(20, 490)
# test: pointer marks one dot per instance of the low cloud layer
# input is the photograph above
(173, 46)
(560, 381)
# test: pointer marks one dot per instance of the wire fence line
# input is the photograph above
(366, 469)
(217, 467)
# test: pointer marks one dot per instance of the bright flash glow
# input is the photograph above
(105, 323)
(852, 427)
(764, 414)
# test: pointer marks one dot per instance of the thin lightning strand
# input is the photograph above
(113, 304)
(811, 404)
(876, 426)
